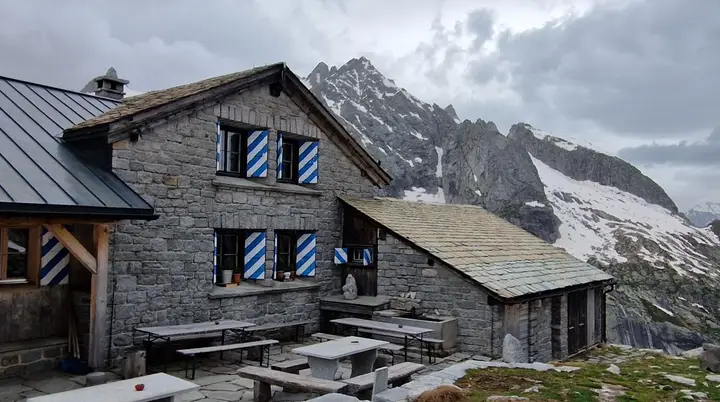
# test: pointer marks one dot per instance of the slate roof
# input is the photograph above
(145, 103)
(498, 255)
(39, 174)
(149, 100)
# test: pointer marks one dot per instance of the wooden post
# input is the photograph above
(98, 298)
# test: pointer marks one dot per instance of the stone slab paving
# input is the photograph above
(216, 378)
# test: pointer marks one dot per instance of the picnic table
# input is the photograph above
(158, 387)
(405, 331)
(324, 357)
(169, 333)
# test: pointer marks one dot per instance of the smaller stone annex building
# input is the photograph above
(248, 175)
(463, 261)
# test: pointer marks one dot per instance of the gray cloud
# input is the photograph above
(684, 153)
(154, 44)
(649, 68)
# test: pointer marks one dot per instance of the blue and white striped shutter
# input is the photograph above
(218, 149)
(257, 154)
(279, 155)
(215, 257)
(341, 256)
(275, 249)
(255, 255)
(367, 256)
(54, 261)
(308, 163)
(305, 262)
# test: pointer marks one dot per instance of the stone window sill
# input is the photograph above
(245, 289)
(240, 183)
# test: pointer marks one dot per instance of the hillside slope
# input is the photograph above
(598, 207)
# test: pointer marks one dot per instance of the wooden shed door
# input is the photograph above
(577, 321)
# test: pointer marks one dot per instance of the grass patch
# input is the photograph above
(641, 379)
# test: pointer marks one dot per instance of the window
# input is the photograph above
(289, 161)
(230, 254)
(357, 255)
(295, 252)
(14, 244)
(232, 153)
(285, 248)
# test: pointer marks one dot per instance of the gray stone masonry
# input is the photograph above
(33, 359)
(162, 270)
(403, 271)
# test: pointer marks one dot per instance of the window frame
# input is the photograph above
(292, 254)
(32, 253)
(241, 234)
(242, 151)
(294, 162)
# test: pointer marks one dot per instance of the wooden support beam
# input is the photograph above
(74, 246)
(98, 299)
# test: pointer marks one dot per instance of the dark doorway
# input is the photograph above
(577, 321)
(360, 234)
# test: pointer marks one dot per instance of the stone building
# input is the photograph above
(169, 196)
(245, 171)
(462, 261)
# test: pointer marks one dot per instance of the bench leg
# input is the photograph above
(262, 392)
(222, 342)
(194, 366)
(406, 347)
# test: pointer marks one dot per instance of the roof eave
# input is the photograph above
(75, 212)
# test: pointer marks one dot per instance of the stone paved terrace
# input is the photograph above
(216, 378)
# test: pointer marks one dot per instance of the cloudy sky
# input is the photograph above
(638, 79)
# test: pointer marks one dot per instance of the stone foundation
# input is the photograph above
(22, 358)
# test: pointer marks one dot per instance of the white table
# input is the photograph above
(324, 357)
(166, 333)
(406, 331)
(158, 387)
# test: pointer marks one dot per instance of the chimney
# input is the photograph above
(108, 85)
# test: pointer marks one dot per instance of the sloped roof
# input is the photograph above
(131, 112)
(498, 255)
(40, 175)
(149, 100)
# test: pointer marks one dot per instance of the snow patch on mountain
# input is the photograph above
(560, 142)
(420, 194)
(438, 168)
(594, 217)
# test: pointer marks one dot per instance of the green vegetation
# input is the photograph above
(641, 379)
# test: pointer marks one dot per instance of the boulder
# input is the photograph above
(614, 369)
(513, 350)
(710, 358)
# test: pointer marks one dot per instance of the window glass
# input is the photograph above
(288, 161)
(17, 253)
(228, 253)
(233, 152)
(285, 252)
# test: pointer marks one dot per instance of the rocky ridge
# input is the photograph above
(599, 208)
(704, 214)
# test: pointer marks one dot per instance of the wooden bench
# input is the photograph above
(298, 325)
(429, 343)
(291, 366)
(325, 337)
(397, 375)
(264, 378)
(192, 353)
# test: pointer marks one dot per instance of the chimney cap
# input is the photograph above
(111, 75)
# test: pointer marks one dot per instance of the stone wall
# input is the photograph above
(163, 268)
(403, 270)
(25, 358)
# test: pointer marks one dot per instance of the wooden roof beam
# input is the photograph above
(73, 246)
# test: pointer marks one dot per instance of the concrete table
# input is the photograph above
(405, 331)
(158, 387)
(324, 357)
